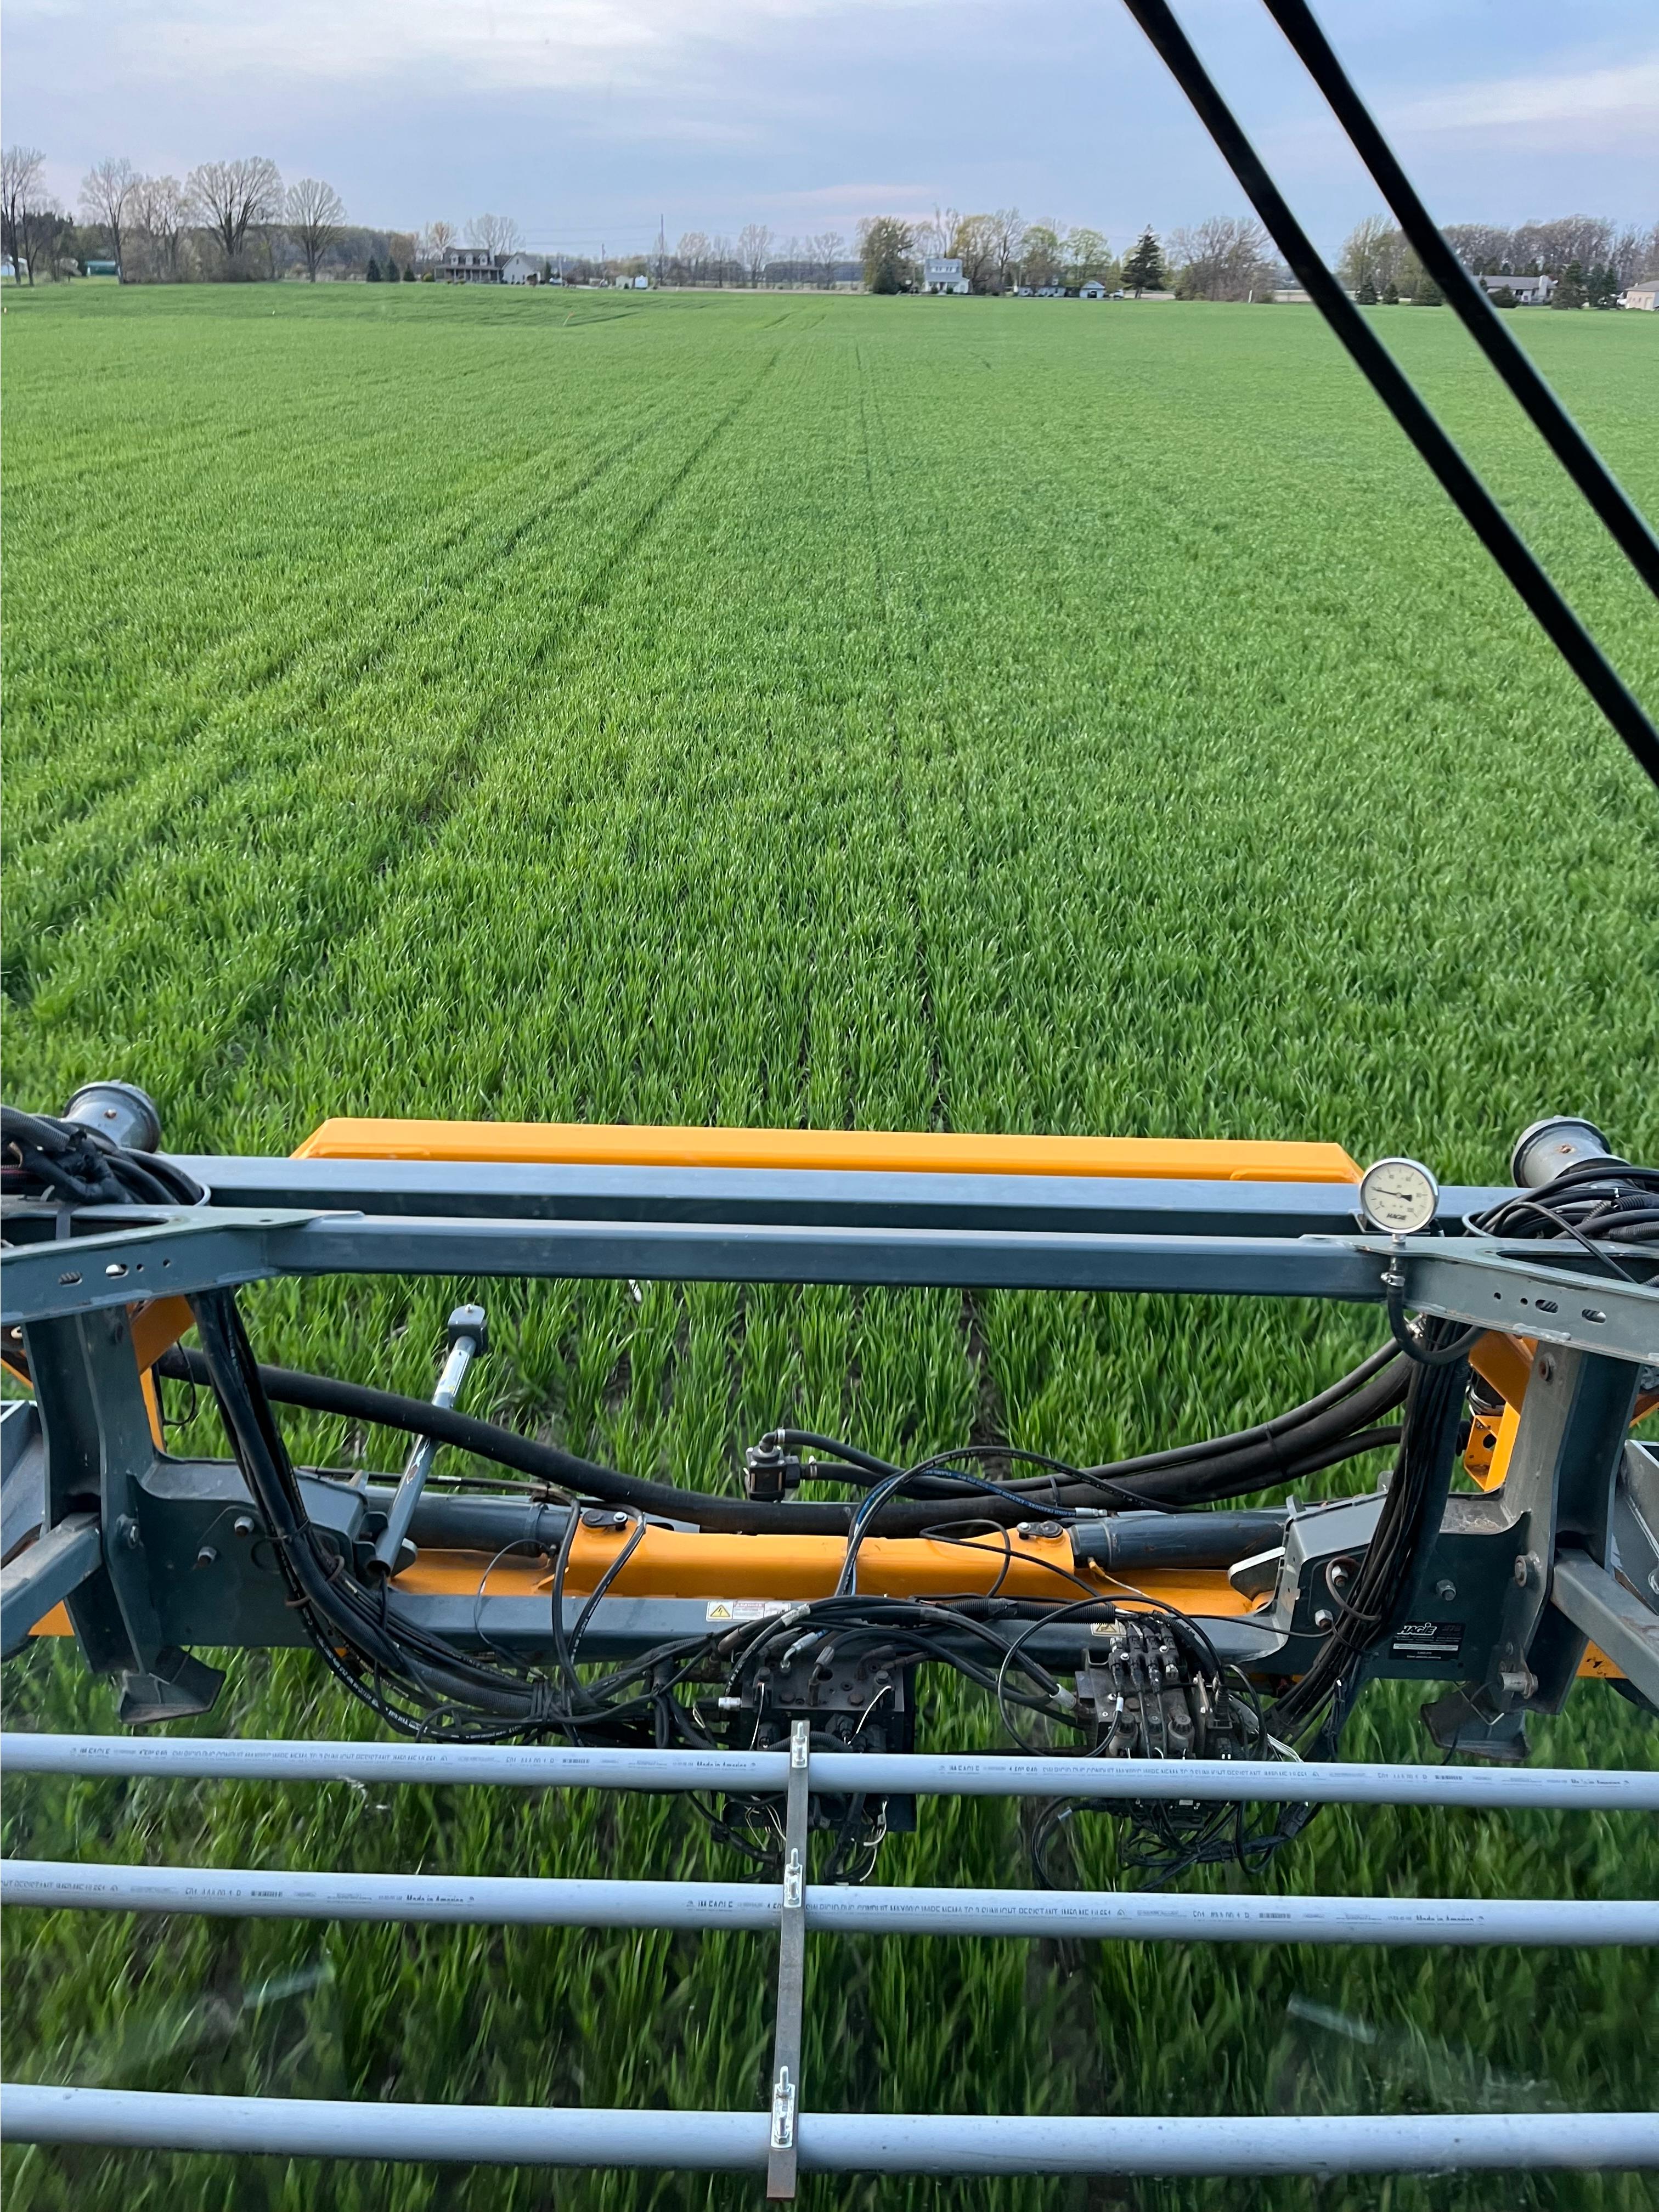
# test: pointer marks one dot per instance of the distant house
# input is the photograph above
(1644, 295)
(471, 265)
(1094, 289)
(942, 272)
(520, 269)
(1528, 291)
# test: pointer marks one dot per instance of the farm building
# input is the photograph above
(1092, 290)
(1528, 291)
(1644, 295)
(471, 265)
(520, 269)
(942, 272)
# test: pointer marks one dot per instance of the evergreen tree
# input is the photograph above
(1391, 294)
(408, 272)
(1503, 297)
(887, 248)
(372, 274)
(392, 273)
(1570, 292)
(1366, 296)
(1144, 270)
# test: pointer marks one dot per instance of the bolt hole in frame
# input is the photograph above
(1570, 1505)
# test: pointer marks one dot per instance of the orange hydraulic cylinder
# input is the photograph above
(674, 1563)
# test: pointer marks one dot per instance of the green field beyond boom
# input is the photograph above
(783, 709)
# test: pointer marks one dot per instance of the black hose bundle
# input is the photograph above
(1598, 1200)
(77, 1165)
(1339, 1424)
(1411, 1507)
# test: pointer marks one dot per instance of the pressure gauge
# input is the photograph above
(1399, 1196)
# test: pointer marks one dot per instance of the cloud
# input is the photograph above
(479, 46)
(1595, 107)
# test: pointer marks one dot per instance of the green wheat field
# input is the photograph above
(963, 714)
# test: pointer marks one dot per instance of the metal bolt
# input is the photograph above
(1529, 1569)
(206, 1556)
(1545, 1367)
(127, 1532)
(1445, 1590)
(243, 1525)
(1516, 1681)
(1324, 1620)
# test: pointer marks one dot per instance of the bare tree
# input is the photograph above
(1483, 247)
(1008, 233)
(1225, 257)
(722, 262)
(497, 233)
(1374, 253)
(826, 252)
(974, 243)
(159, 216)
(754, 250)
(19, 201)
(231, 198)
(315, 213)
(933, 235)
(105, 196)
(691, 256)
(1553, 246)
(435, 242)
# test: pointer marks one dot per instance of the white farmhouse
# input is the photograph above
(471, 265)
(1528, 291)
(1644, 295)
(521, 269)
(942, 272)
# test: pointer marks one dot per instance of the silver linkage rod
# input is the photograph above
(967, 1774)
(832, 2143)
(1131, 1916)
(781, 2157)
(467, 1334)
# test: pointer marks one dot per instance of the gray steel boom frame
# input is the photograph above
(126, 1572)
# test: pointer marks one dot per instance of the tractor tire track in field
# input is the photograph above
(448, 792)
(315, 929)
(358, 620)
(988, 1426)
(158, 817)
(939, 1106)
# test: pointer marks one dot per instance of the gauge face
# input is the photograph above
(1399, 1195)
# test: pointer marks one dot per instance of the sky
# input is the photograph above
(592, 121)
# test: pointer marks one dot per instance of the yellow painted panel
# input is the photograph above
(907, 1151)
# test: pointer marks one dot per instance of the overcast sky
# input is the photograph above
(587, 120)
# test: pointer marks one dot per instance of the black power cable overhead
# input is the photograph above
(1485, 325)
(1474, 501)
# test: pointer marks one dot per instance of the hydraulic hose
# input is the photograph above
(1286, 1450)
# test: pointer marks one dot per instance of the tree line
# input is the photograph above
(238, 220)
(1591, 258)
(228, 221)
(1224, 257)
